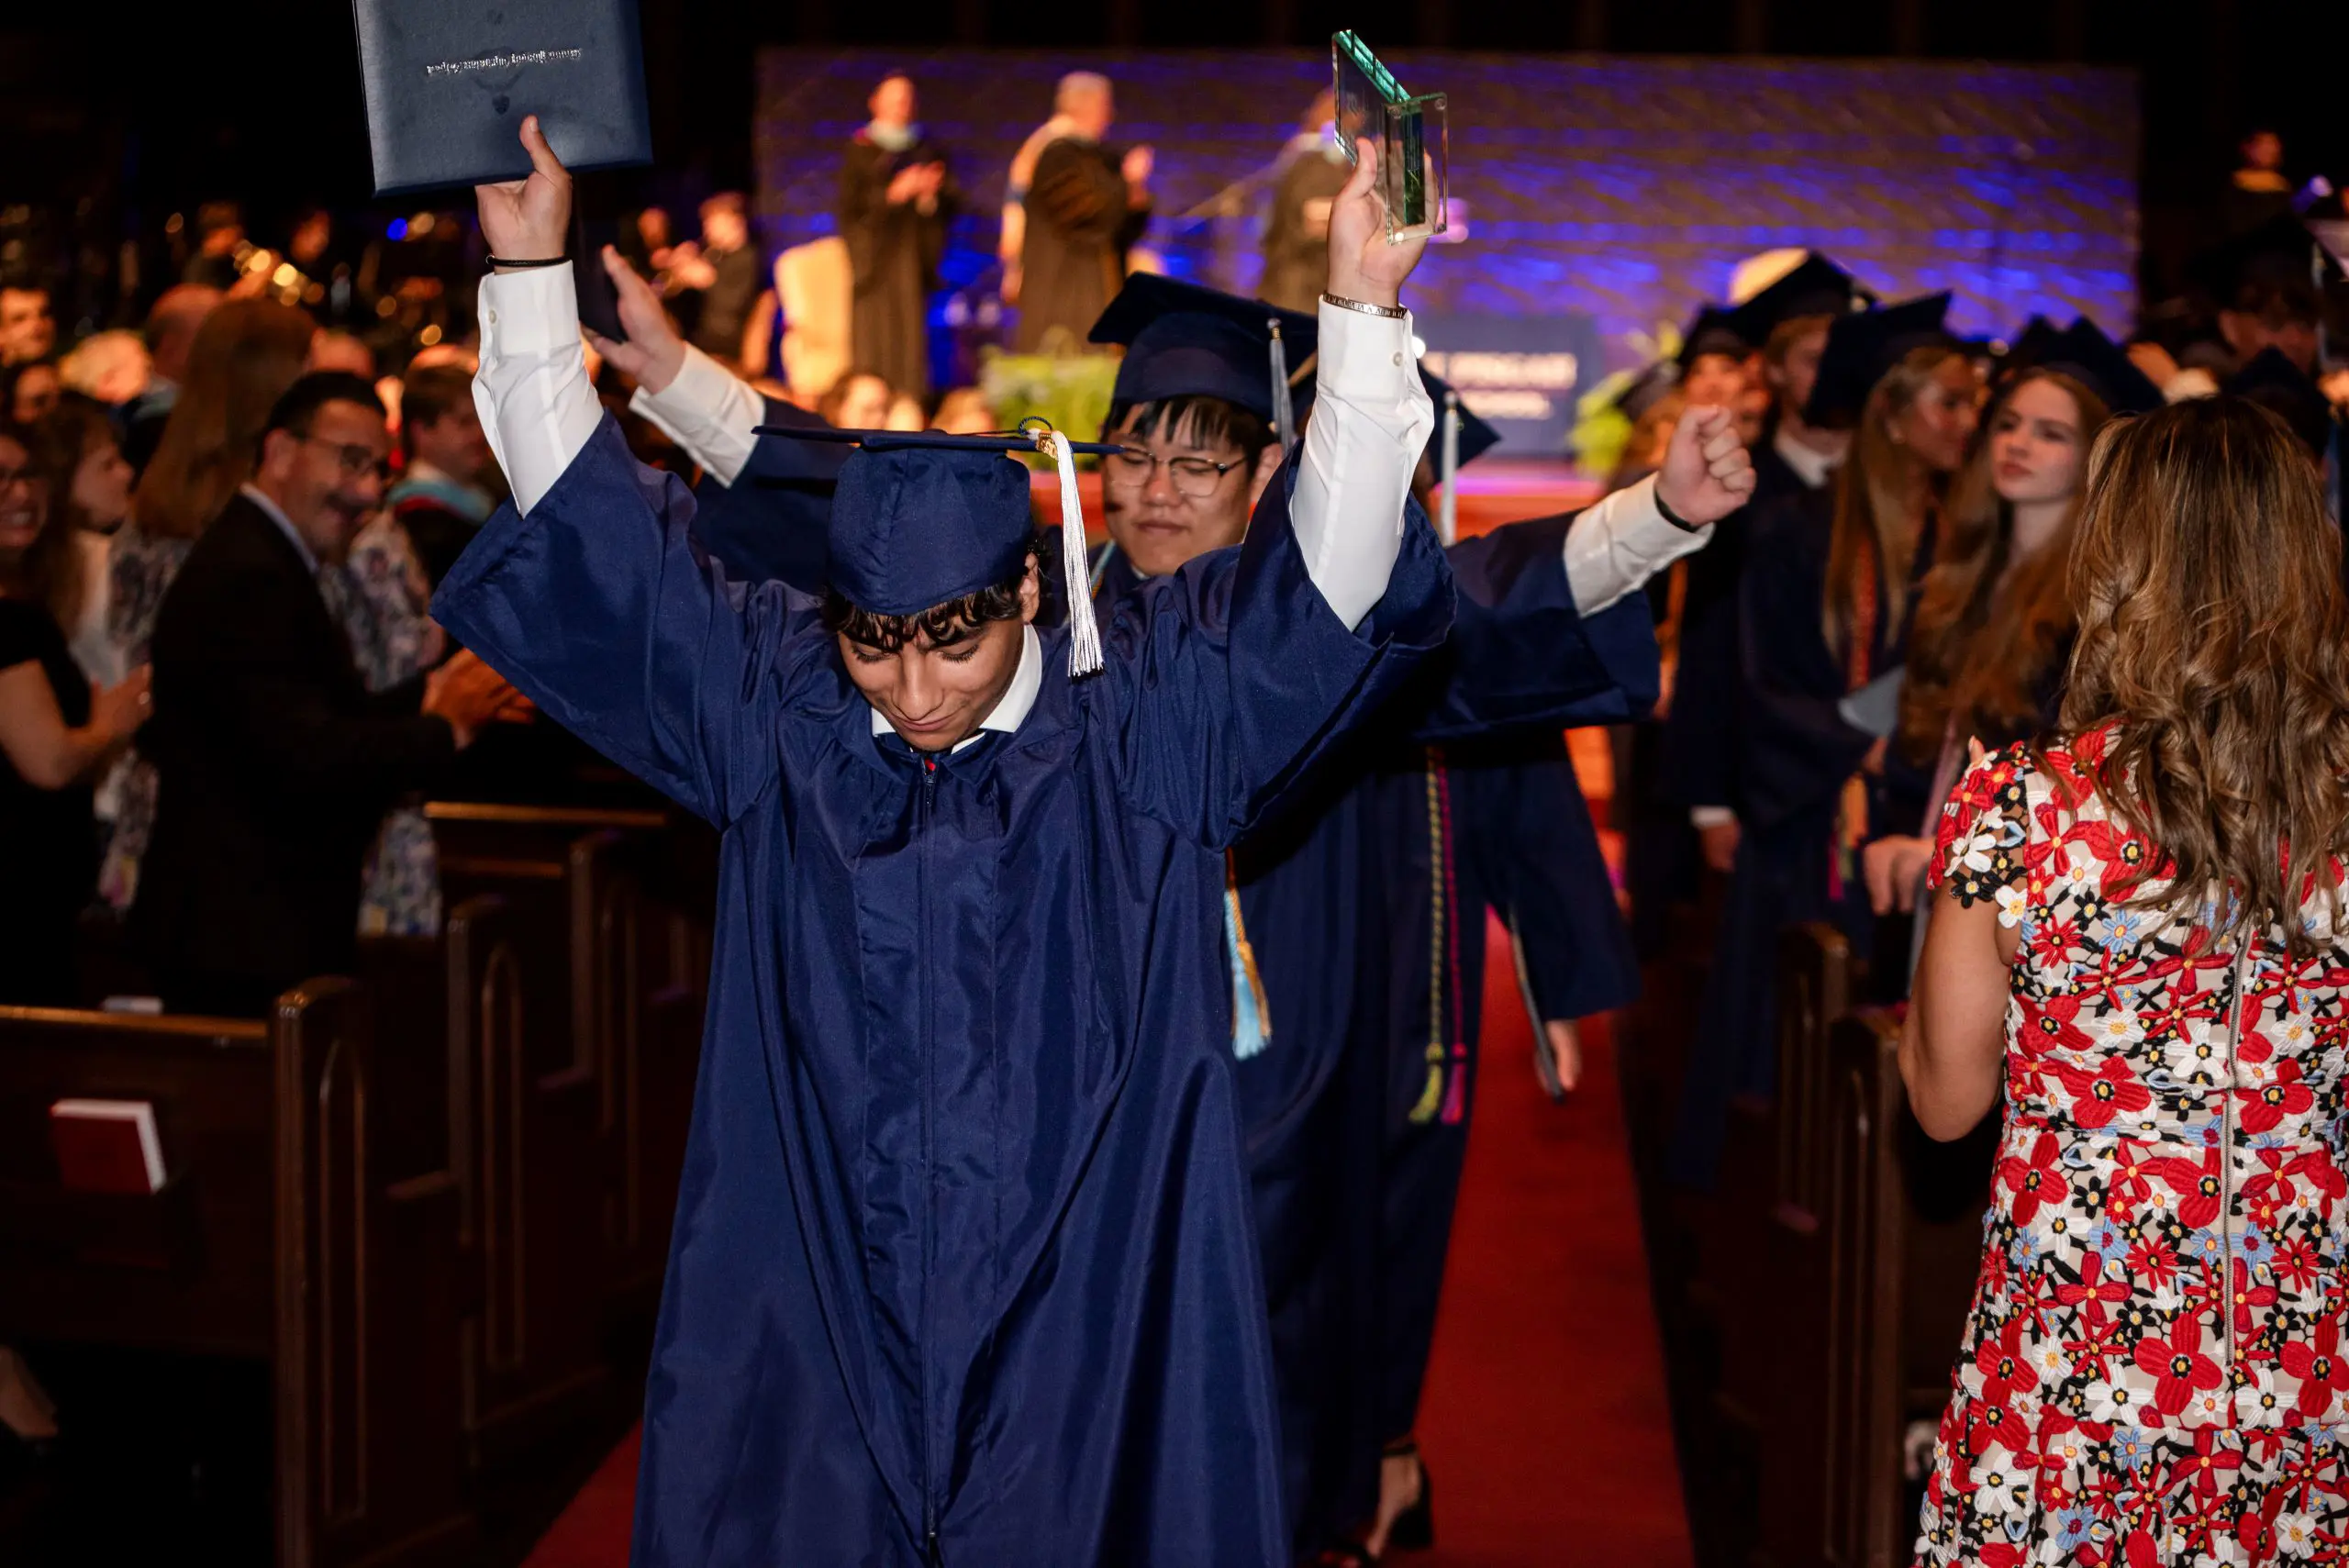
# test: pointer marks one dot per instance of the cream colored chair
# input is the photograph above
(813, 283)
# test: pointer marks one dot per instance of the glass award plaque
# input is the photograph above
(1410, 132)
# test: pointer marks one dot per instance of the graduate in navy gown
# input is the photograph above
(1555, 634)
(963, 1269)
(1496, 824)
(1787, 321)
(1822, 613)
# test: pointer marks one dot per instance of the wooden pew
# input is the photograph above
(301, 1224)
(584, 992)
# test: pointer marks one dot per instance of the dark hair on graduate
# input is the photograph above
(1203, 419)
(944, 625)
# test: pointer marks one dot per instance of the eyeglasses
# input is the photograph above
(356, 460)
(1129, 468)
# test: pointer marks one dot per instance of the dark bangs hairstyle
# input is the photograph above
(943, 625)
(50, 572)
(1196, 417)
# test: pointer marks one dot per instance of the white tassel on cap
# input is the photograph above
(1083, 631)
(1448, 469)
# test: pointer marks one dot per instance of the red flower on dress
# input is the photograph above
(2036, 1181)
(2210, 1460)
(2318, 1363)
(2200, 1188)
(2094, 1290)
(2177, 1365)
(2246, 1295)
(2265, 1108)
(2098, 1097)
(2006, 1372)
(2053, 1024)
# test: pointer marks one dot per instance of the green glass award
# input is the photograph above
(1410, 132)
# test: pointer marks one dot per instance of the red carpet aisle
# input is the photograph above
(1545, 1423)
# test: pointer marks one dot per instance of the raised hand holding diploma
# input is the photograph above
(1707, 473)
(527, 220)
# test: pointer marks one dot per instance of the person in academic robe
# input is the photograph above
(895, 200)
(963, 1268)
(1694, 778)
(274, 762)
(1313, 170)
(1823, 616)
(1196, 408)
(1497, 823)
(1995, 620)
(1086, 206)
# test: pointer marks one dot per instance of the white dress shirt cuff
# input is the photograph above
(1370, 420)
(1615, 547)
(537, 406)
(1703, 816)
(709, 411)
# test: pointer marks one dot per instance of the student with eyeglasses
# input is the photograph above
(276, 764)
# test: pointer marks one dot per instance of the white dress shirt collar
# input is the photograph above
(1811, 466)
(276, 513)
(1011, 709)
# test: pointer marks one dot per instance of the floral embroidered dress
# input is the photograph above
(2153, 1370)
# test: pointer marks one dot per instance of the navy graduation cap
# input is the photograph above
(2083, 352)
(1812, 286)
(2281, 387)
(2278, 253)
(1715, 331)
(1862, 347)
(921, 518)
(1183, 341)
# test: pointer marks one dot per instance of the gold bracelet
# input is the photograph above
(1391, 312)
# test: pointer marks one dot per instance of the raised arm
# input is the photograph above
(587, 590)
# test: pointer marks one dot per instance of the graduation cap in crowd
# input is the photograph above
(1648, 386)
(1460, 439)
(1715, 331)
(2277, 255)
(1810, 286)
(2030, 347)
(2083, 352)
(2275, 384)
(1862, 347)
(1183, 341)
(921, 518)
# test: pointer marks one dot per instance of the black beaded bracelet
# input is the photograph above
(497, 262)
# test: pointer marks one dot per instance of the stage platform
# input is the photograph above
(1495, 491)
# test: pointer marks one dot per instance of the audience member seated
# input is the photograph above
(279, 765)
(965, 412)
(724, 270)
(56, 732)
(245, 355)
(443, 496)
(172, 324)
(381, 596)
(859, 400)
(113, 368)
(32, 389)
(338, 351)
(27, 330)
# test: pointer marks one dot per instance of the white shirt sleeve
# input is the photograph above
(709, 411)
(1615, 547)
(537, 406)
(1371, 419)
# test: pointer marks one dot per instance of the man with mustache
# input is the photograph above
(279, 764)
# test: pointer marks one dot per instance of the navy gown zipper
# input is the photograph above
(928, 1154)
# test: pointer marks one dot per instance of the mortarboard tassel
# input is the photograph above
(1284, 409)
(1448, 469)
(1083, 631)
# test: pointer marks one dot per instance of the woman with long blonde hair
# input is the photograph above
(1822, 613)
(2143, 941)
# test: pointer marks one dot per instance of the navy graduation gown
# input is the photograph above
(1501, 826)
(771, 523)
(1794, 754)
(1313, 884)
(963, 1268)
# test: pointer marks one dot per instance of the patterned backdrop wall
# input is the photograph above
(1622, 190)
